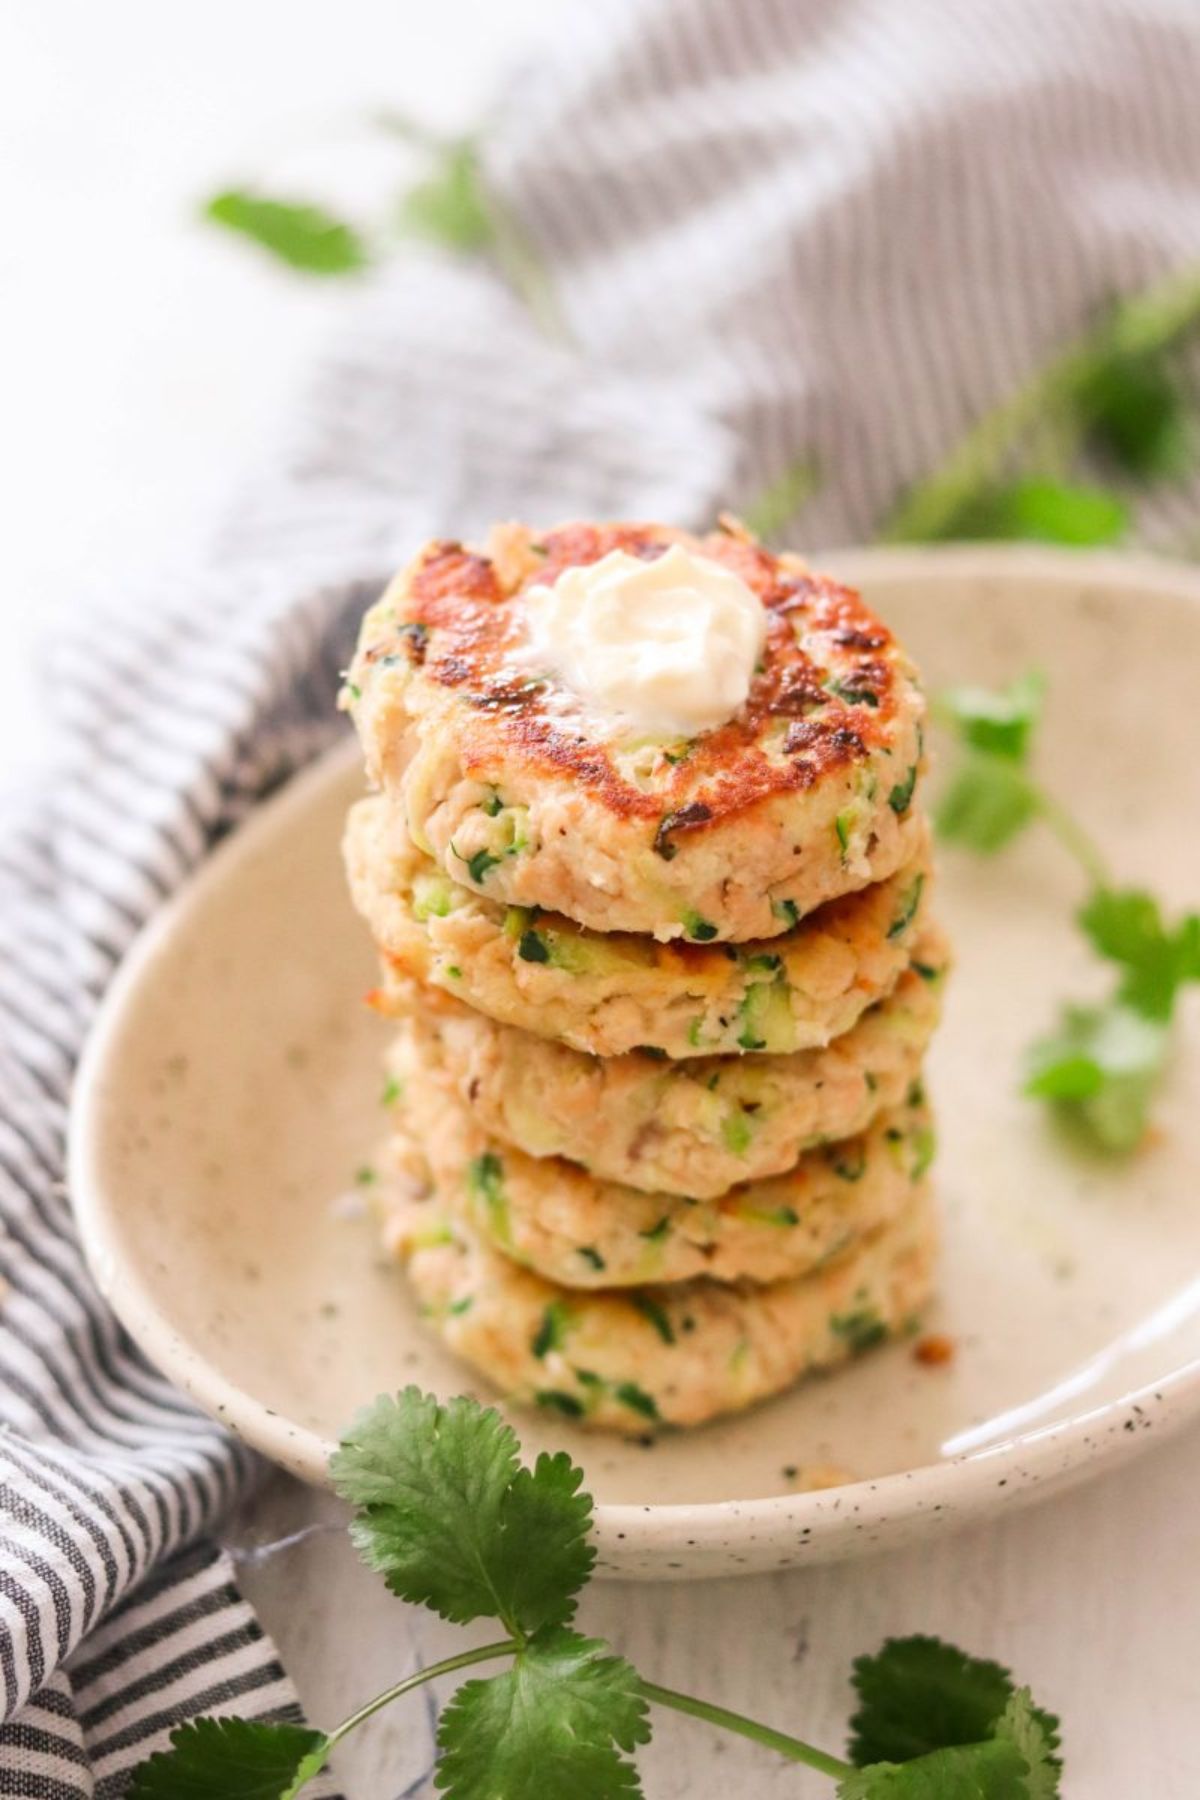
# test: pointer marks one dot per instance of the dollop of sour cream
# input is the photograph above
(665, 648)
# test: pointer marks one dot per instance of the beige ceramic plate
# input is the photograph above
(232, 1084)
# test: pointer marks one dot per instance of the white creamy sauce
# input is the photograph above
(664, 648)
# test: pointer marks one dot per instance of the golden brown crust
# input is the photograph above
(456, 613)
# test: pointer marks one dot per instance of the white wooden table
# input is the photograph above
(138, 355)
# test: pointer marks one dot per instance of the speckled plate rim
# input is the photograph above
(1029, 1465)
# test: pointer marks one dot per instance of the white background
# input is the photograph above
(141, 357)
(142, 353)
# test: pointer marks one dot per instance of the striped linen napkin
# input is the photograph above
(841, 228)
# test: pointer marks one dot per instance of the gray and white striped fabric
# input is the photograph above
(837, 229)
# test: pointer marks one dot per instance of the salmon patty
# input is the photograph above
(611, 993)
(695, 1127)
(629, 1362)
(520, 791)
(554, 1217)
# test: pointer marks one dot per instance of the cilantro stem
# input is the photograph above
(1074, 839)
(793, 1748)
(524, 271)
(1139, 326)
(933, 505)
(464, 1660)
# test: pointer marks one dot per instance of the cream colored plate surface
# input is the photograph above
(231, 1088)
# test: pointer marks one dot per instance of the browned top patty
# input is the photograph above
(834, 682)
(803, 794)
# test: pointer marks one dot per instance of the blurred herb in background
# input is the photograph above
(1112, 401)
(303, 235)
(1114, 397)
(450, 204)
(1101, 1065)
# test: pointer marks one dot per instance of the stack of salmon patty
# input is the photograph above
(659, 1141)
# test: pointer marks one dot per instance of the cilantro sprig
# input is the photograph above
(451, 204)
(1112, 398)
(446, 1512)
(1058, 459)
(1101, 1066)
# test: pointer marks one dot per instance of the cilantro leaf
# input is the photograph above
(1135, 414)
(451, 1520)
(988, 801)
(936, 1724)
(1035, 1734)
(1101, 1067)
(994, 1770)
(557, 1722)
(451, 207)
(300, 234)
(918, 1694)
(1126, 926)
(231, 1759)
(1000, 721)
(1051, 512)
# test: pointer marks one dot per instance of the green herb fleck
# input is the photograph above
(479, 864)
(900, 798)
(908, 909)
(924, 1150)
(485, 1176)
(702, 930)
(784, 1216)
(637, 1399)
(532, 947)
(860, 1330)
(555, 1400)
(736, 1132)
(655, 1315)
(551, 1332)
